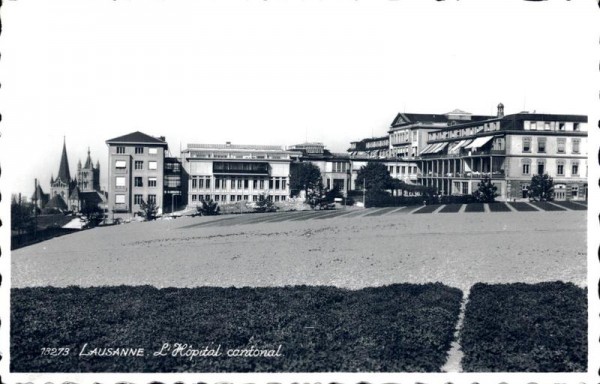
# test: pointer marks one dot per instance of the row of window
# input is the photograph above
(204, 182)
(541, 167)
(138, 150)
(137, 164)
(402, 169)
(137, 199)
(121, 181)
(225, 198)
(561, 143)
(551, 126)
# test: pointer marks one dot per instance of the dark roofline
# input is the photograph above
(137, 137)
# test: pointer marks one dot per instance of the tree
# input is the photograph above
(307, 177)
(541, 188)
(486, 191)
(264, 204)
(149, 210)
(93, 213)
(208, 208)
(22, 216)
(375, 177)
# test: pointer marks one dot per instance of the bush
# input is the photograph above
(265, 204)
(149, 210)
(208, 208)
(525, 327)
(401, 327)
(457, 199)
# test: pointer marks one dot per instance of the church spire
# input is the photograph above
(88, 161)
(63, 171)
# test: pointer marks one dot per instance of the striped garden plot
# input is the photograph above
(499, 207)
(523, 207)
(475, 207)
(525, 327)
(337, 213)
(547, 206)
(381, 211)
(571, 205)
(427, 209)
(394, 328)
(450, 208)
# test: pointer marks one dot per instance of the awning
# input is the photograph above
(427, 149)
(456, 147)
(479, 142)
(439, 147)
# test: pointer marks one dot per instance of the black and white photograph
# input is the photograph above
(299, 191)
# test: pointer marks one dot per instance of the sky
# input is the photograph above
(274, 72)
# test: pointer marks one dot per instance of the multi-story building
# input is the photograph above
(135, 173)
(335, 167)
(510, 150)
(227, 172)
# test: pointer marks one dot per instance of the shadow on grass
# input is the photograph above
(397, 328)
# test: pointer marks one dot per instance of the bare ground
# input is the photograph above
(456, 249)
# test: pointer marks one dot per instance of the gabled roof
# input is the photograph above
(63, 171)
(425, 118)
(57, 202)
(92, 198)
(137, 138)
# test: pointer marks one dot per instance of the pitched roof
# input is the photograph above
(88, 161)
(137, 138)
(57, 202)
(92, 198)
(63, 171)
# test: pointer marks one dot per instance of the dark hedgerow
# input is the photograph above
(402, 327)
(475, 207)
(499, 207)
(525, 328)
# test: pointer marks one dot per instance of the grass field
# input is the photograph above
(525, 328)
(398, 328)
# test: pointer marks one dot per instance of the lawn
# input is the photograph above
(396, 328)
(525, 328)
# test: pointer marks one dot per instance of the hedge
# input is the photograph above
(525, 327)
(402, 327)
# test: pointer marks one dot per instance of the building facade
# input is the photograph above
(227, 173)
(136, 164)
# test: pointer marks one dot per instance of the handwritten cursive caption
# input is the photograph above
(178, 350)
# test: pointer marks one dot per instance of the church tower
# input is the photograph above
(61, 184)
(88, 176)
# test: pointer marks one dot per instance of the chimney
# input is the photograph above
(500, 110)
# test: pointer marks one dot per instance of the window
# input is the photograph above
(151, 199)
(254, 184)
(216, 197)
(218, 182)
(254, 198)
(194, 198)
(120, 181)
(201, 183)
(527, 144)
(152, 165)
(574, 190)
(560, 148)
(561, 126)
(152, 151)
(139, 150)
(262, 184)
(152, 181)
(207, 184)
(206, 197)
(575, 169)
(120, 199)
(533, 126)
(526, 164)
(245, 197)
(239, 197)
(194, 182)
(232, 198)
(541, 144)
(277, 183)
(121, 150)
(137, 199)
(540, 167)
(283, 183)
(546, 126)
(246, 185)
(139, 164)
(120, 164)
(239, 183)
(576, 145)
(137, 182)
(560, 168)
(276, 198)
(576, 127)
(282, 198)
